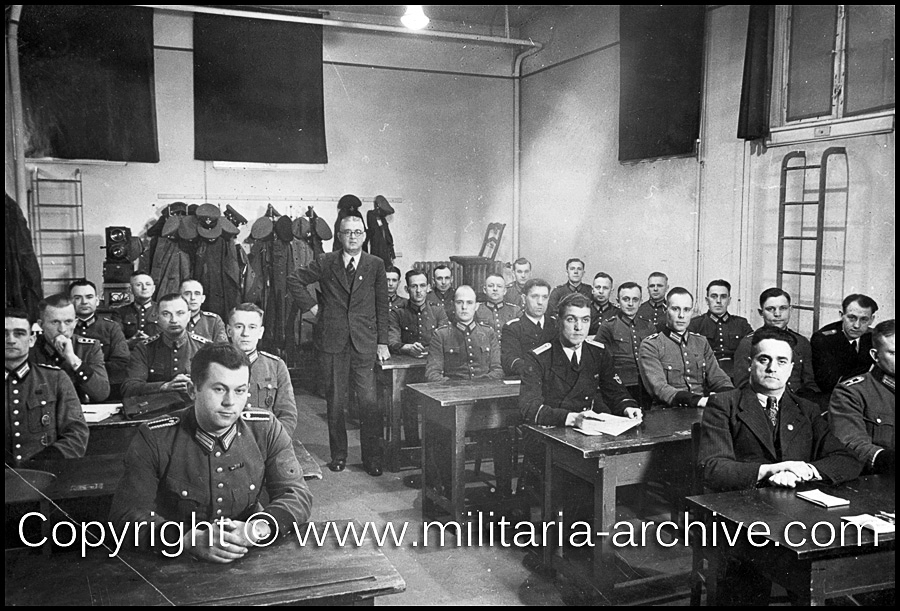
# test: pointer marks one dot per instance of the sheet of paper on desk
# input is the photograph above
(821, 499)
(96, 412)
(873, 523)
(606, 424)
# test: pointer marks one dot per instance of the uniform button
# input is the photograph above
(219, 500)
(220, 485)
(218, 469)
(15, 392)
(15, 412)
(218, 512)
(17, 434)
(16, 423)
(184, 493)
(19, 457)
(878, 420)
(218, 454)
(43, 403)
(18, 445)
(252, 486)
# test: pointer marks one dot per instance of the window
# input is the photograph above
(834, 73)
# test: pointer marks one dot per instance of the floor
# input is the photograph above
(483, 575)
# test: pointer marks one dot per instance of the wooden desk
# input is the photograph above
(660, 447)
(452, 408)
(393, 375)
(811, 572)
(284, 573)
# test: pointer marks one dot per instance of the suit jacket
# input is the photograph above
(356, 314)
(736, 438)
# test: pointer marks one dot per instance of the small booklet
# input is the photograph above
(823, 500)
(873, 523)
(512, 381)
(606, 424)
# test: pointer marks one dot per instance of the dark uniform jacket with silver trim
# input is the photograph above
(521, 335)
(552, 388)
(834, 358)
(723, 333)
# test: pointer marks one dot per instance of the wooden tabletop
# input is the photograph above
(658, 426)
(284, 573)
(457, 392)
(400, 361)
(74, 478)
(777, 507)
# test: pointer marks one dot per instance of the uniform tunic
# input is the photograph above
(42, 413)
(670, 364)
(496, 315)
(552, 388)
(411, 323)
(90, 380)
(463, 352)
(133, 318)
(173, 468)
(723, 334)
(521, 335)
(515, 294)
(834, 358)
(862, 414)
(157, 360)
(802, 382)
(112, 344)
(600, 316)
(622, 336)
(557, 294)
(654, 313)
(396, 301)
(445, 300)
(271, 389)
(208, 325)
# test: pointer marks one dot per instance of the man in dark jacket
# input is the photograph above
(353, 318)
(762, 434)
(841, 350)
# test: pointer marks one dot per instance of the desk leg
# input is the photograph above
(431, 476)
(458, 463)
(393, 407)
(714, 563)
(604, 518)
(547, 505)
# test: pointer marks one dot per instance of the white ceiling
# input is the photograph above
(457, 14)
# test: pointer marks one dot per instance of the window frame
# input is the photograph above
(826, 127)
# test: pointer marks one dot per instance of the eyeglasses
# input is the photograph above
(352, 233)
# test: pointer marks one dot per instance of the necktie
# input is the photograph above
(574, 360)
(541, 326)
(350, 270)
(855, 345)
(772, 410)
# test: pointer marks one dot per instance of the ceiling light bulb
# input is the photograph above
(415, 18)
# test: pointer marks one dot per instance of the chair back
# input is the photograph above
(492, 237)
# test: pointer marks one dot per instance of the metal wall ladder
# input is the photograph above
(801, 247)
(56, 211)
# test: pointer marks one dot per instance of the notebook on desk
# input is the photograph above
(606, 424)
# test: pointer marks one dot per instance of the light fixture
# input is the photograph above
(415, 18)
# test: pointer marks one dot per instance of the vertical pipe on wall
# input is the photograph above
(15, 85)
(701, 161)
(517, 139)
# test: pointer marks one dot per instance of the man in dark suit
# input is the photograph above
(353, 322)
(841, 350)
(763, 434)
(529, 330)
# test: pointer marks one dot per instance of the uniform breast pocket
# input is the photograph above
(187, 497)
(265, 396)
(882, 430)
(674, 375)
(42, 414)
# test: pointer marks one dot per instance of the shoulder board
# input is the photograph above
(512, 305)
(48, 366)
(271, 356)
(106, 318)
(86, 340)
(697, 334)
(829, 332)
(256, 415)
(552, 317)
(210, 314)
(853, 381)
(161, 423)
(446, 325)
(483, 324)
(543, 348)
(200, 338)
(652, 336)
(512, 320)
(152, 339)
(749, 335)
(593, 342)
